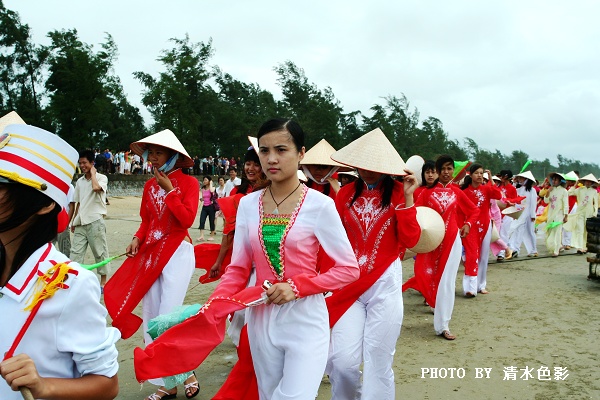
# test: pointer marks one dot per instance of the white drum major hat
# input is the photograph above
(372, 152)
(39, 159)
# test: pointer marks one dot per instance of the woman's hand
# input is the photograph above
(335, 185)
(280, 293)
(464, 231)
(215, 270)
(410, 182)
(163, 180)
(20, 371)
(133, 247)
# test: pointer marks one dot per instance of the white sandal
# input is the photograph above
(156, 396)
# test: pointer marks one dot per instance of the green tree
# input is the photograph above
(20, 69)
(181, 98)
(87, 106)
(317, 111)
(241, 110)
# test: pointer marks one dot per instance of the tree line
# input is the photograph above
(70, 88)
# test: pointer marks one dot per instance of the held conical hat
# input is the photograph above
(166, 139)
(513, 212)
(372, 152)
(320, 154)
(432, 230)
(589, 177)
(415, 164)
(527, 175)
(9, 119)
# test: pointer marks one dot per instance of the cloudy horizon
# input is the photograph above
(511, 76)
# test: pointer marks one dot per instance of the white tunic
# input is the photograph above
(68, 337)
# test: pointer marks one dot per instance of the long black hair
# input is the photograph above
(468, 179)
(20, 203)
(387, 187)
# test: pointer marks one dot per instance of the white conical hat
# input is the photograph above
(166, 139)
(9, 119)
(432, 230)
(527, 175)
(372, 152)
(589, 177)
(415, 164)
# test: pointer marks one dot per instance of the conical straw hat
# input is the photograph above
(589, 177)
(513, 212)
(166, 139)
(372, 152)
(432, 230)
(320, 154)
(10, 119)
(527, 175)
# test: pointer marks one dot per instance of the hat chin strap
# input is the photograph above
(170, 163)
(324, 180)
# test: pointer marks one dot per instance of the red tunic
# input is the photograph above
(166, 219)
(378, 237)
(325, 189)
(472, 242)
(447, 201)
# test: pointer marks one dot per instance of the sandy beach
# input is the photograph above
(535, 336)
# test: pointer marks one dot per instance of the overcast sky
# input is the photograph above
(512, 75)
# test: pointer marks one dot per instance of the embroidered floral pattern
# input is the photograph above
(278, 271)
(294, 288)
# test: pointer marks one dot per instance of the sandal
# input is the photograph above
(447, 335)
(469, 295)
(483, 291)
(192, 389)
(165, 396)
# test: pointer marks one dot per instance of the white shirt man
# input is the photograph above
(232, 181)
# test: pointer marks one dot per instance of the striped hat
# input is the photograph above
(37, 158)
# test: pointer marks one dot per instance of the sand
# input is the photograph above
(541, 316)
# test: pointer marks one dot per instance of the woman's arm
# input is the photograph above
(20, 371)
(183, 202)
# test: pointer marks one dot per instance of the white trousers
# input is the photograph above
(289, 347)
(523, 231)
(444, 300)
(367, 334)
(169, 290)
(505, 231)
(474, 284)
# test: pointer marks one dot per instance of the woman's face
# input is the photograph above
(430, 176)
(205, 182)
(319, 171)
(221, 182)
(252, 170)
(477, 176)
(556, 180)
(279, 156)
(446, 173)
(369, 177)
(158, 155)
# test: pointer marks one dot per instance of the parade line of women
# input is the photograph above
(313, 271)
